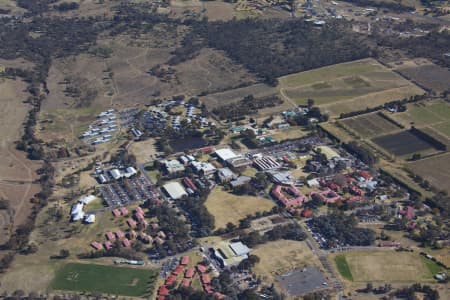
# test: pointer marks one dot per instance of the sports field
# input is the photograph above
(347, 87)
(228, 207)
(105, 279)
(383, 266)
(370, 125)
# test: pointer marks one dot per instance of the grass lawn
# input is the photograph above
(105, 279)
(343, 267)
(227, 207)
(431, 265)
(384, 266)
(98, 203)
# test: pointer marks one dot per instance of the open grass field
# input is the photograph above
(343, 268)
(383, 266)
(370, 125)
(403, 143)
(283, 256)
(435, 169)
(227, 207)
(105, 279)
(426, 74)
(347, 87)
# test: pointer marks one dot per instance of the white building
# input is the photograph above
(225, 154)
(175, 190)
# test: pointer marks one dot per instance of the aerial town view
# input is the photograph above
(225, 149)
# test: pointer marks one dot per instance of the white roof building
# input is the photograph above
(130, 171)
(313, 182)
(89, 218)
(115, 173)
(239, 248)
(173, 166)
(204, 167)
(175, 190)
(77, 212)
(225, 154)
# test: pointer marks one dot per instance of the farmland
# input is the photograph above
(435, 169)
(104, 279)
(383, 266)
(432, 114)
(227, 207)
(347, 87)
(427, 74)
(403, 143)
(370, 125)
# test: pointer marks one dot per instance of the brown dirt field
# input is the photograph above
(217, 99)
(17, 172)
(283, 256)
(88, 8)
(144, 151)
(15, 63)
(426, 73)
(226, 207)
(210, 71)
(217, 10)
(435, 169)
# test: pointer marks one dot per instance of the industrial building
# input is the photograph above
(231, 254)
(175, 190)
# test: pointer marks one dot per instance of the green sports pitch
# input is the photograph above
(105, 279)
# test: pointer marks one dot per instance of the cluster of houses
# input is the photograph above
(137, 227)
(183, 275)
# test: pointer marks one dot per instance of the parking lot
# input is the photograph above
(137, 189)
(303, 281)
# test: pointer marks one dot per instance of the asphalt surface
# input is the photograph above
(303, 281)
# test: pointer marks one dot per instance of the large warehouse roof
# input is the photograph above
(225, 154)
(175, 190)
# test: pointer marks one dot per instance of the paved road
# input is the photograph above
(322, 255)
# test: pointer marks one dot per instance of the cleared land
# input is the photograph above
(386, 266)
(18, 173)
(370, 125)
(105, 279)
(347, 87)
(283, 256)
(234, 95)
(426, 74)
(402, 143)
(227, 207)
(144, 151)
(435, 169)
